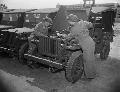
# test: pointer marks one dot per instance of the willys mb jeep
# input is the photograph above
(13, 32)
(54, 51)
(102, 33)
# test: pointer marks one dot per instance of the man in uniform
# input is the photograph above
(41, 29)
(79, 30)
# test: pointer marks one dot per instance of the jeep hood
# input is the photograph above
(60, 22)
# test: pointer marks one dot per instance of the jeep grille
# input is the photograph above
(49, 46)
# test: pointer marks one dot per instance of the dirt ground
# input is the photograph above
(108, 79)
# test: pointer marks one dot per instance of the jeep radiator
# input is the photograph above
(49, 46)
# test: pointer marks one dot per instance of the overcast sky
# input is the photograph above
(45, 3)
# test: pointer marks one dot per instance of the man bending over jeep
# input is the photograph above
(80, 31)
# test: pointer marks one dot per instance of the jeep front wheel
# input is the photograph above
(74, 68)
(105, 52)
(22, 51)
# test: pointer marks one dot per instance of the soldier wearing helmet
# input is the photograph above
(79, 30)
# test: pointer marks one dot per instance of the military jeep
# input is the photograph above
(54, 51)
(102, 33)
(13, 32)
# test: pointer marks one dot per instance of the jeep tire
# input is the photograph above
(23, 49)
(74, 68)
(105, 51)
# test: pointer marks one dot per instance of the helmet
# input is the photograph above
(72, 18)
(47, 19)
